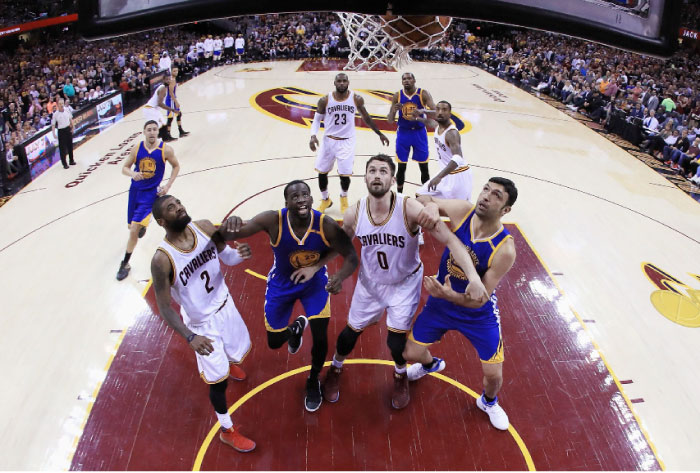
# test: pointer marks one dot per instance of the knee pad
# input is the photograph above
(323, 181)
(217, 396)
(345, 182)
(276, 339)
(347, 340)
(170, 121)
(397, 342)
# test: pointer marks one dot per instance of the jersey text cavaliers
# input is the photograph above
(199, 260)
(382, 239)
(341, 108)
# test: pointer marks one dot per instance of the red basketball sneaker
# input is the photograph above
(235, 372)
(235, 439)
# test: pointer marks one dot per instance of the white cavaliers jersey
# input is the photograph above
(389, 249)
(339, 120)
(198, 284)
(444, 153)
(153, 101)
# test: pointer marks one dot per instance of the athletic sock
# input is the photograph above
(336, 363)
(125, 261)
(224, 420)
(400, 370)
(324, 195)
(343, 193)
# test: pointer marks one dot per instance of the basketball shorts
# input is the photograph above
(153, 113)
(456, 185)
(279, 302)
(230, 339)
(400, 300)
(217, 53)
(140, 204)
(330, 150)
(406, 139)
(200, 54)
(240, 50)
(482, 328)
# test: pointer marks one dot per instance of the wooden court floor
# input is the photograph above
(600, 314)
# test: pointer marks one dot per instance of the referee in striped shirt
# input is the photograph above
(63, 120)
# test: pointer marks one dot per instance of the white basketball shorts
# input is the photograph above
(400, 300)
(457, 185)
(155, 114)
(231, 342)
(330, 150)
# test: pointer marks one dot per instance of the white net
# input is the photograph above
(376, 41)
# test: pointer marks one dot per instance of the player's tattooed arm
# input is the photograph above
(162, 274)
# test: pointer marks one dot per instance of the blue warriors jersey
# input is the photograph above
(151, 165)
(408, 105)
(170, 99)
(482, 252)
(292, 253)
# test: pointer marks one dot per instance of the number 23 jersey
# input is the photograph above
(197, 284)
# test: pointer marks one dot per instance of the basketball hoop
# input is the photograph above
(387, 40)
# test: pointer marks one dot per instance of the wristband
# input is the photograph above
(190, 337)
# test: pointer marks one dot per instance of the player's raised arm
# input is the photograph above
(339, 241)
(391, 117)
(235, 228)
(454, 209)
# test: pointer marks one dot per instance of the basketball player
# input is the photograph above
(187, 267)
(171, 101)
(493, 252)
(148, 160)
(337, 111)
(153, 110)
(300, 237)
(410, 132)
(390, 271)
(454, 181)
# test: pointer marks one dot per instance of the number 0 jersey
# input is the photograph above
(389, 249)
(198, 284)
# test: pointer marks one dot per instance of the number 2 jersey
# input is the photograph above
(390, 251)
(197, 284)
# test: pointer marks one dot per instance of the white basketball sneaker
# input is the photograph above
(497, 415)
(416, 370)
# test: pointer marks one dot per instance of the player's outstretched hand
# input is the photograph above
(335, 284)
(202, 345)
(429, 216)
(244, 250)
(432, 185)
(384, 139)
(313, 143)
(303, 274)
(435, 289)
(137, 176)
(232, 224)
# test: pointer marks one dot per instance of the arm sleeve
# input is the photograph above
(230, 257)
(316, 125)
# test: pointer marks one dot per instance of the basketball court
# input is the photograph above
(600, 313)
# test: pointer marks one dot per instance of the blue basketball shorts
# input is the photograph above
(280, 300)
(406, 139)
(140, 204)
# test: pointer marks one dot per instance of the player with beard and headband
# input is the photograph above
(493, 252)
(386, 224)
(337, 111)
(410, 133)
(187, 267)
(148, 159)
(300, 237)
(454, 181)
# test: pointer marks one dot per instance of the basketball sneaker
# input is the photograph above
(183, 132)
(313, 398)
(325, 203)
(416, 370)
(233, 438)
(297, 328)
(343, 204)
(331, 386)
(236, 372)
(497, 415)
(123, 271)
(401, 396)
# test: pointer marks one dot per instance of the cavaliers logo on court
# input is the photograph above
(304, 258)
(454, 269)
(147, 167)
(283, 103)
(669, 300)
